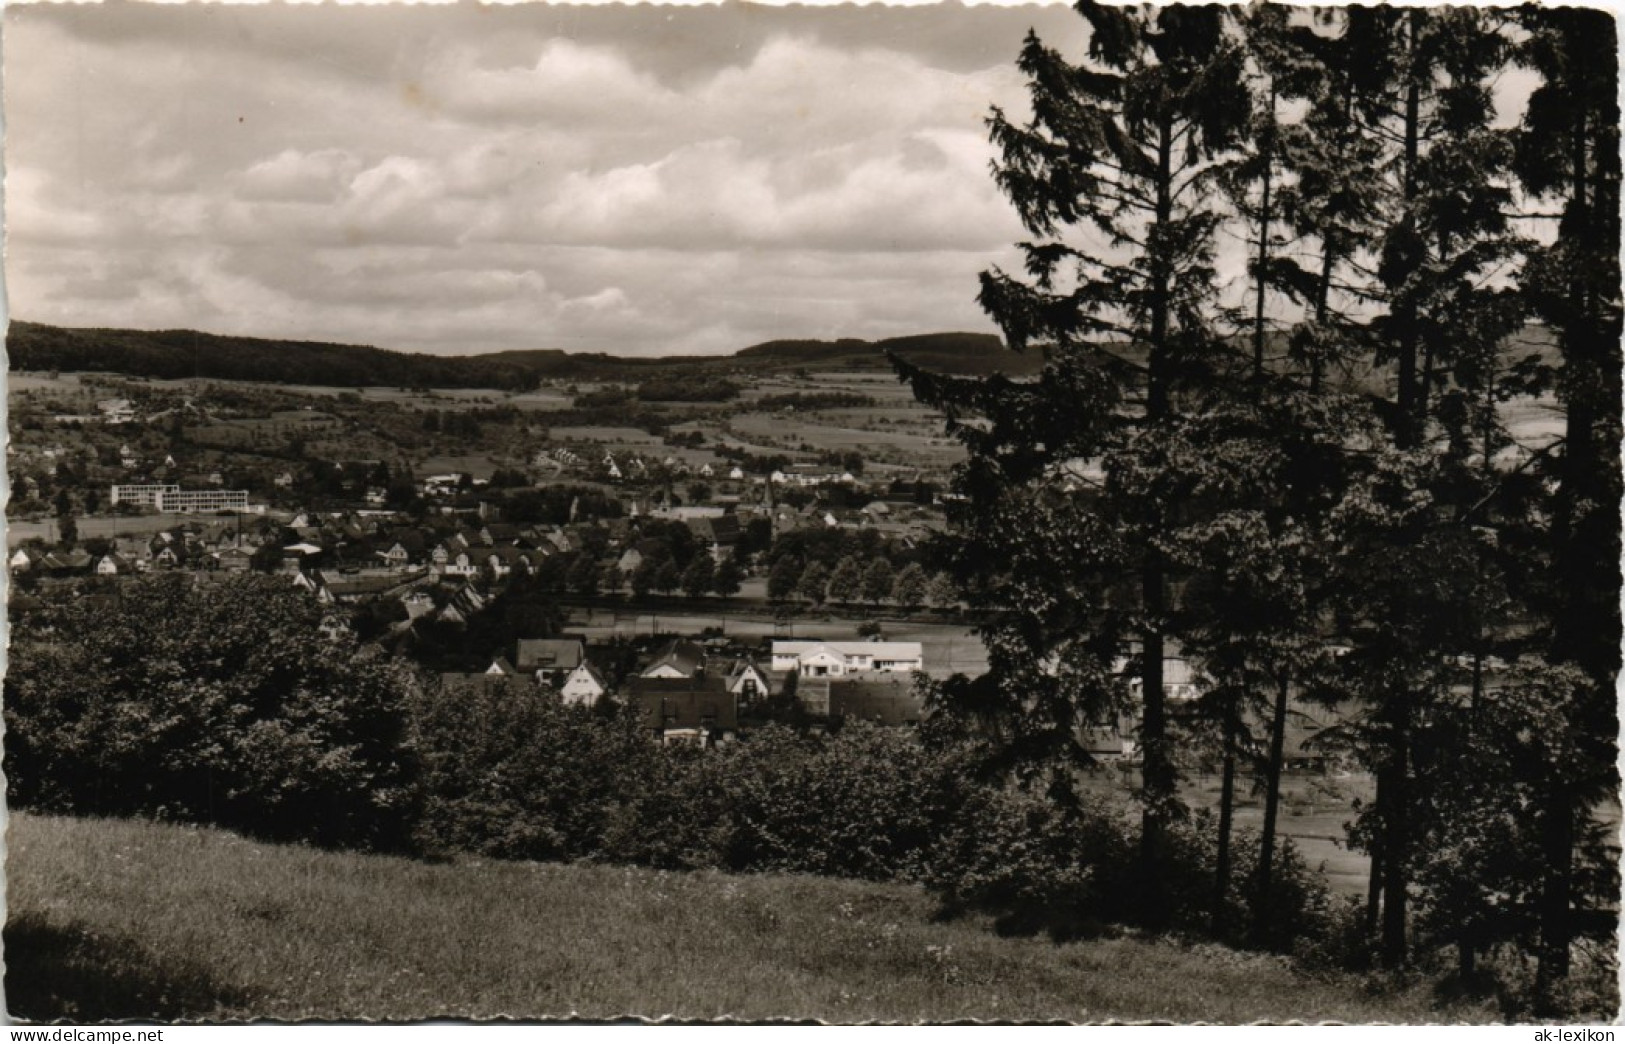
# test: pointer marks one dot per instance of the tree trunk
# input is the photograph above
(1157, 772)
(1264, 217)
(1557, 845)
(1272, 807)
(1395, 884)
(1409, 424)
(1227, 801)
(1373, 889)
(1574, 628)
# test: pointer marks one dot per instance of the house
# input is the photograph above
(884, 700)
(718, 533)
(448, 562)
(697, 710)
(486, 683)
(396, 557)
(231, 559)
(113, 565)
(75, 561)
(116, 411)
(500, 533)
(500, 665)
(360, 587)
(549, 660)
(680, 658)
(811, 475)
(418, 603)
(812, 659)
(583, 685)
(20, 562)
(746, 680)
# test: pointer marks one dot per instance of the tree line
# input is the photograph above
(223, 704)
(1310, 487)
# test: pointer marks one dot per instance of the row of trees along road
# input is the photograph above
(1310, 489)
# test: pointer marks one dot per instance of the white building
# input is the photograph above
(142, 496)
(174, 498)
(835, 659)
(192, 500)
(583, 685)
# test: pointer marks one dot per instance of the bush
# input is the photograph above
(209, 703)
(1301, 906)
(511, 772)
(1035, 865)
(1070, 869)
(866, 803)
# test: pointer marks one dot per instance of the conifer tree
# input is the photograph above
(1568, 153)
(1068, 497)
(1419, 99)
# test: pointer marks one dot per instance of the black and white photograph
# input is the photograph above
(1084, 514)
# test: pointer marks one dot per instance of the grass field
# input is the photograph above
(19, 530)
(831, 436)
(480, 467)
(111, 919)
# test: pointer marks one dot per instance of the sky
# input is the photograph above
(460, 179)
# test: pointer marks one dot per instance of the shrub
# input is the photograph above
(1301, 906)
(867, 802)
(1035, 865)
(209, 703)
(513, 773)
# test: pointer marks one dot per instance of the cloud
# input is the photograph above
(299, 177)
(524, 179)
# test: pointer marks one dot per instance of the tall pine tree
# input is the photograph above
(1069, 487)
(1568, 152)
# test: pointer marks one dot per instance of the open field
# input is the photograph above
(70, 383)
(475, 465)
(606, 434)
(795, 432)
(19, 530)
(112, 919)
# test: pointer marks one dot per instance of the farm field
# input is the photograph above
(117, 919)
(21, 381)
(19, 530)
(878, 445)
(477, 466)
(635, 437)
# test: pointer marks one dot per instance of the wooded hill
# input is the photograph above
(172, 354)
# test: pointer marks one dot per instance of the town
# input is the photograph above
(708, 580)
(890, 513)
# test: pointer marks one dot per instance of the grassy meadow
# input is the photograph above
(117, 919)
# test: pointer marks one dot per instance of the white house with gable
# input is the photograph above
(835, 659)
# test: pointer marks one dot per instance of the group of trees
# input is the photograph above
(827, 400)
(1310, 486)
(701, 575)
(223, 704)
(854, 579)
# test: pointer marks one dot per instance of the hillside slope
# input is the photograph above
(113, 919)
(171, 354)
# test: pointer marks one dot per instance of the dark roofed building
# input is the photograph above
(884, 701)
(680, 658)
(686, 710)
(488, 683)
(548, 654)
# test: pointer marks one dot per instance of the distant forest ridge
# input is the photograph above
(172, 354)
